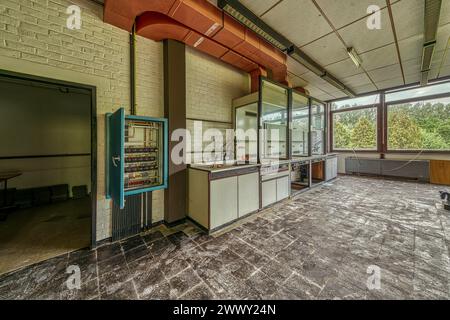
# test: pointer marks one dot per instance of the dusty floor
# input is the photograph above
(36, 234)
(317, 246)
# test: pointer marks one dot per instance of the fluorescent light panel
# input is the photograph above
(355, 57)
(235, 9)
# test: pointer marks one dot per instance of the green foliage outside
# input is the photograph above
(355, 130)
(413, 126)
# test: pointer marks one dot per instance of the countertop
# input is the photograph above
(226, 167)
(328, 155)
(231, 166)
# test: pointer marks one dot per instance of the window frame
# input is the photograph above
(382, 120)
(378, 131)
(386, 126)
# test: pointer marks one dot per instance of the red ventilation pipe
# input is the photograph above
(199, 24)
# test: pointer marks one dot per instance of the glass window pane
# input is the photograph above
(421, 125)
(247, 133)
(356, 102)
(274, 121)
(355, 130)
(317, 128)
(418, 92)
(300, 125)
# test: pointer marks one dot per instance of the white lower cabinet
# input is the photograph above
(269, 192)
(224, 201)
(282, 188)
(248, 194)
(331, 165)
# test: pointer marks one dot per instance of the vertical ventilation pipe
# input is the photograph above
(133, 70)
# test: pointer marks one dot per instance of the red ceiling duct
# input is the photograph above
(199, 24)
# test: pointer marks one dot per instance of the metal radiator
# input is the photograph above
(415, 169)
(127, 221)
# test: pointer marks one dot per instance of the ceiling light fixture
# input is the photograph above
(355, 57)
(243, 15)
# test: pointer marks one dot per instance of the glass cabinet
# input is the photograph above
(317, 128)
(300, 125)
(246, 125)
(273, 121)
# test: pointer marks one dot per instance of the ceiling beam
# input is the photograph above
(394, 32)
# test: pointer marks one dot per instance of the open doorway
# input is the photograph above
(47, 169)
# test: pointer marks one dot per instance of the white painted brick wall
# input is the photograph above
(211, 85)
(34, 39)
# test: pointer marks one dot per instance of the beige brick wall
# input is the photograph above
(211, 85)
(34, 40)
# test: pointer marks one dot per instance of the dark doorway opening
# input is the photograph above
(47, 169)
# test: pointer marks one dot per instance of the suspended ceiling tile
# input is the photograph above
(357, 35)
(312, 78)
(438, 58)
(356, 80)
(297, 20)
(412, 78)
(295, 67)
(391, 83)
(386, 73)
(433, 73)
(379, 58)
(260, 6)
(444, 72)
(442, 39)
(412, 67)
(326, 50)
(314, 91)
(318, 82)
(411, 47)
(364, 88)
(338, 94)
(445, 13)
(343, 12)
(344, 69)
(408, 18)
(296, 81)
(325, 97)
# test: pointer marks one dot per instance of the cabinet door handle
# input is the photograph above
(114, 159)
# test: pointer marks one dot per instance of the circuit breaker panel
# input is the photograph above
(137, 155)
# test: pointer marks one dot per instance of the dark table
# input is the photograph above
(4, 177)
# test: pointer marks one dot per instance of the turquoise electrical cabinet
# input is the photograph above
(136, 155)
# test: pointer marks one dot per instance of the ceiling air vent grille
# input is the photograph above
(432, 14)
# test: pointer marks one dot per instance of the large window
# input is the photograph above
(354, 123)
(409, 120)
(355, 129)
(421, 125)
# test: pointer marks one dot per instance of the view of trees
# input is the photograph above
(421, 125)
(412, 126)
(355, 129)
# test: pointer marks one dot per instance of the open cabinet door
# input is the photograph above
(116, 156)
